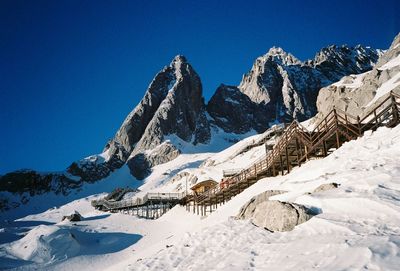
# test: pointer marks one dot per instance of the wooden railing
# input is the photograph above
(336, 121)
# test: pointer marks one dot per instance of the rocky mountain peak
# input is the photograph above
(280, 56)
(172, 105)
(179, 59)
(282, 88)
(338, 61)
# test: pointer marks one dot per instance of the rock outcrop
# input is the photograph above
(74, 217)
(274, 215)
(355, 94)
(234, 112)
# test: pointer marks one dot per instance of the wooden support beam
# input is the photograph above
(325, 151)
(298, 152)
(337, 139)
(395, 111)
(287, 159)
(281, 163)
(273, 168)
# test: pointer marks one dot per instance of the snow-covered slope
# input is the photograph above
(358, 226)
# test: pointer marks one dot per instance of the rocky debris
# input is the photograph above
(274, 215)
(325, 187)
(75, 216)
(284, 88)
(355, 94)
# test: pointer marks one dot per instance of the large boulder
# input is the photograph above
(274, 215)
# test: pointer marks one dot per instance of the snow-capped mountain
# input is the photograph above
(278, 88)
(357, 216)
(173, 104)
(283, 88)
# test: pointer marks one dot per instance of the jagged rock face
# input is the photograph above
(286, 88)
(133, 127)
(238, 114)
(173, 104)
(181, 113)
(355, 94)
(338, 61)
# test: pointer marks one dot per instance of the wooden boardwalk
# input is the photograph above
(297, 145)
(151, 206)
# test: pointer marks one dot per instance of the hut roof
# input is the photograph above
(202, 183)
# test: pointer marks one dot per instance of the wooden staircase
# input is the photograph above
(297, 145)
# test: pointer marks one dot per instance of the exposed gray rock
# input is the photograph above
(274, 215)
(234, 112)
(76, 216)
(325, 187)
(249, 208)
(182, 114)
(280, 216)
(141, 164)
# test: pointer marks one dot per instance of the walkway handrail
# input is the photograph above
(335, 121)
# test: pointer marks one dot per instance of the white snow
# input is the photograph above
(358, 228)
(389, 85)
(385, 88)
(231, 101)
(392, 63)
(352, 81)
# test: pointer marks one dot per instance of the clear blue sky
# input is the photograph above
(70, 71)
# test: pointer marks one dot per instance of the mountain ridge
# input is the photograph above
(173, 104)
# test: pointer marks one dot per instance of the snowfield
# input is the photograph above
(358, 227)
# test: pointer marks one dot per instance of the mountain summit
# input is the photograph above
(283, 88)
(172, 105)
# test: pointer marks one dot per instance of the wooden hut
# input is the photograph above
(204, 186)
